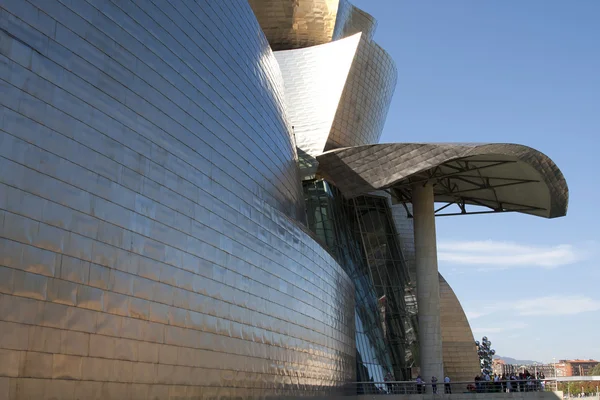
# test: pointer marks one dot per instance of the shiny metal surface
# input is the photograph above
(314, 79)
(149, 204)
(542, 189)
(461, 361)
(337, 94)
(314, 75)
(351, 20)
(366, 100)
(296, 24)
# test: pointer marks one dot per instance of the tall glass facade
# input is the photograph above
(360, 234)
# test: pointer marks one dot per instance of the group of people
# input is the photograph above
(521, 382)
(434, 380)
(484, 383)
(404, 387)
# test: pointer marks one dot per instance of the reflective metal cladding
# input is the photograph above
(351, 20)
(542, 188)
(337, 94)
(316, 43)
(364, 105)
(314, 79)
(150, 243)
(295, 24)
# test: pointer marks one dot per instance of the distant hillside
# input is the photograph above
(510, 360)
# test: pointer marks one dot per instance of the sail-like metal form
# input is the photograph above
(502, 177)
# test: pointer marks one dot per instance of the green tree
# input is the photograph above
(595, 371)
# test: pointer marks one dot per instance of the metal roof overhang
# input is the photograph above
(500, 177)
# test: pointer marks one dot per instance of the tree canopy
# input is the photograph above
(595, 371)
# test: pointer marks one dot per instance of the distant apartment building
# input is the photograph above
(561, 368)
(498, 366)
(578, 367)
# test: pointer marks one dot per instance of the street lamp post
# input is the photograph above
(555, 373)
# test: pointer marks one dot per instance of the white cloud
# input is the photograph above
(556, 305)
(540, 306)
(509, 326)
(474, 314)
(504, 255)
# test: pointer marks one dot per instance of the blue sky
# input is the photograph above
(524, 72)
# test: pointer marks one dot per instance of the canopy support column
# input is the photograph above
(428, 287)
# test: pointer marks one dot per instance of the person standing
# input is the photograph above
(388, 379)
(434, 384)
(447, 386)
(419, 384)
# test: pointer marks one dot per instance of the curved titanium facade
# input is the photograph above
(364, 105)
(508, 177)
(296, 24)
(147, 173)
(359, 112)
(337, 94)
(461, 362)
(351, 20)
(314, 79)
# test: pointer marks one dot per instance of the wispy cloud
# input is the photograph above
(508, 326)
(474, 314)
(504, 255)
(556, 305)
(540, 306)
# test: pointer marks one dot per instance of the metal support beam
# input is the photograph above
(458, 172)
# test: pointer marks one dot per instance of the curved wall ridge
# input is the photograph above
(337, 94)
(296, 24)
(351, 19)
(314, 79)
(461, 362)
(310, 71)
(366, 99)
(149, 204)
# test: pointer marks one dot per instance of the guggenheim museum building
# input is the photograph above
(194, 204)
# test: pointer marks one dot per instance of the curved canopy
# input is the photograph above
(502, 177)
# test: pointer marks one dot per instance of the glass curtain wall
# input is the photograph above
(361, 236)
(389, 277)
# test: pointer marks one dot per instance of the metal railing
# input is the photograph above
(412, 387)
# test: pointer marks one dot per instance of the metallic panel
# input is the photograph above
(366, 99)
(351, 20)
(149, 204)
(323, 115)
(363, 169)
(296, 24)
(313, 74)
(314, 80)
(461, 362)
